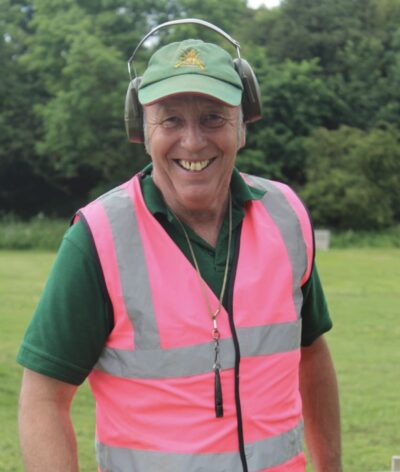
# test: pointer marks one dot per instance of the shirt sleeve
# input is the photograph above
(315, 315)
(74, 316)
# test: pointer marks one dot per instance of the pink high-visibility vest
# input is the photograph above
(154, 381)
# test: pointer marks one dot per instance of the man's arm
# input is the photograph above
(321, 412)
(46, 433)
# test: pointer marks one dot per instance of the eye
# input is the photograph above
(171, 122)
(213, 120)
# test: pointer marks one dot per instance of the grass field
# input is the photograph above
(363, 291)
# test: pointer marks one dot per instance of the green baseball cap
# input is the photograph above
(191, 66)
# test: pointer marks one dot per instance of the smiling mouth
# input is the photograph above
(192, 166)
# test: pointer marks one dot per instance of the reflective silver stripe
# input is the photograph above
(275, 450)
(260, 455)
(287, 221)
(197, 359)
(133, 268)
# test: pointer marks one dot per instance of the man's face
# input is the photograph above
(193, 142)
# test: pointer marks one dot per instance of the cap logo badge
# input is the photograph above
(190, 57)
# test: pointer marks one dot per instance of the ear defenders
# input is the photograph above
(251, 97)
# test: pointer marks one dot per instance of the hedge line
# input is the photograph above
(46, 233)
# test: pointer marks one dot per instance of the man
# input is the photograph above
(180, 295)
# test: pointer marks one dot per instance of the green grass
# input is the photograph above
(363, 291)
(22, 276)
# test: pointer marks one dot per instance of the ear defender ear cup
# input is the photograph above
(251, 97)
(134, 113)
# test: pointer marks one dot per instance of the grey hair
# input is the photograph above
(241, 125)
(146, 133)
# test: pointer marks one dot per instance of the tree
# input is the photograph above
(82, 146)
(225, 15)
(355, 43)
(295, 101)
(21, 188)
(309, 29)
(353, 177)
(319, 63)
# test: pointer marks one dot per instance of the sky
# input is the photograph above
(267, 3)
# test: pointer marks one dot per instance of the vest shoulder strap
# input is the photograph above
(277, 191)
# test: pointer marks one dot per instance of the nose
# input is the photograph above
(193, 137)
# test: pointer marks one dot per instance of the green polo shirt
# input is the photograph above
(74, 316)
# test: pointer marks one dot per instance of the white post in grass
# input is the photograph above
(395, 463)
(322, 239)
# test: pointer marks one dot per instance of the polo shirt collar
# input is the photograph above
(241, 192)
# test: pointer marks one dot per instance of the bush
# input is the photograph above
(46, 233)
(389, 238)
(38, 233)
(353, 178)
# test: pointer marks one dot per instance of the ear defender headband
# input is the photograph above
(251, 97)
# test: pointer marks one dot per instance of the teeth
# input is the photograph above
(194, 166)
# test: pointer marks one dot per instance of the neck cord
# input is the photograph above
(219, 412)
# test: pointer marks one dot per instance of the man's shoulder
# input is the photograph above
(113, 192)
(117, 199)
(265, 184)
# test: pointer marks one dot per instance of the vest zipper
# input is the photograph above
(237, 351)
